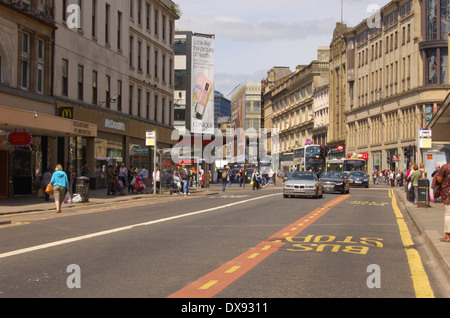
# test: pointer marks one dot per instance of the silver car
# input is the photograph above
(303, 184)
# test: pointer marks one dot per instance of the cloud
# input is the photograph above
(245, 30)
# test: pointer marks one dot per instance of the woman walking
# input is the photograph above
(60, 184)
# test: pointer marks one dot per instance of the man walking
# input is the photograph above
(185, 175)
(443, 178)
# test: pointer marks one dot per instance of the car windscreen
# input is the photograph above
(303, 176)
(357, 174)
(334, 175)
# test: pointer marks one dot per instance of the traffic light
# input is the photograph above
(322, 152)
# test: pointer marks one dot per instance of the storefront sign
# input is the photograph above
(20, 138)
(114, 125)
(65, 112)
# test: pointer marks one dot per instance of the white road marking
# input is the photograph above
(124, 228)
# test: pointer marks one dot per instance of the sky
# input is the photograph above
(252, 36)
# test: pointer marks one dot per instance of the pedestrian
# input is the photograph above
(415, 183)
(434, 184)
(271, 174)
(123, 174)
(239, 176)
(85, 170)
(185, 175)
(409, 188)
(256, 179)
(46, 178)
(60, 184)
(374, 177)
(423, 172)
(131, 179)
(110, 175)
(156, 179)
(443, 178)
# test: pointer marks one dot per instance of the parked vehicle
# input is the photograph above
(303, 184)
(336, 182)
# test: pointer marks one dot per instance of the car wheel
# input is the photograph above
(285, 196)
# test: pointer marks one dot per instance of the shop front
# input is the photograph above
(120, 139)
(29, 147)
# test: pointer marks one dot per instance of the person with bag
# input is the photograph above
(256, 179)
(415, 176)
(443, 178)
(225, 177)
(60, 184)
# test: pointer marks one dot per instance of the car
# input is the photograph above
(335, 182)
(303, 183)
(286, 176)
(359, 179)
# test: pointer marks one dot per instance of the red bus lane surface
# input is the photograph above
(211, 284)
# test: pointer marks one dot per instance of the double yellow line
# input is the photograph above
(419, 277)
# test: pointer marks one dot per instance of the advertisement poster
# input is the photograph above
(202, 111)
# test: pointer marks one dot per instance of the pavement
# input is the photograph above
(429, 221)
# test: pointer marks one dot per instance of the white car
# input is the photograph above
(303, 184)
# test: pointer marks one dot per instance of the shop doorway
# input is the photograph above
(22, 172)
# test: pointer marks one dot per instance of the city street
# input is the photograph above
(237, 244)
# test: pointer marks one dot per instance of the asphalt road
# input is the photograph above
(237, 244)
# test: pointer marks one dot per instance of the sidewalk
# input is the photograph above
(429, 221)
(31, 203)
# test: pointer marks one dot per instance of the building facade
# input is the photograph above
(29, 125)
(292, 102)
(400, 80)
(114, 67)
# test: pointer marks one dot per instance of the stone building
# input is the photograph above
(114, 65)
(398, 81)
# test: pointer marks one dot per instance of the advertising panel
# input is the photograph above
(202, 111)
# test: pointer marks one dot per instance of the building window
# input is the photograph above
(437, 19)
(436, 66)
(130, 94)
(147, 66)
(94, 88)
(139, 97)
(119, 95)
(108, 91)
(65, 78)
(40, 79)
(80, 82)
(94, 12)
(139, 56)
(156, 64)
(131, 51)
(107, 11)
(119, 30)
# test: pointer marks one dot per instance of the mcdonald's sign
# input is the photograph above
(65, 112)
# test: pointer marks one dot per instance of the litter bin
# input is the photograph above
(82, 188)
(424, 192)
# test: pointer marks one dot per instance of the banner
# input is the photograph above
(202, 104)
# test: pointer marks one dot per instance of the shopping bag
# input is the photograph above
(49, 189)
(67, 197)
(431, 195)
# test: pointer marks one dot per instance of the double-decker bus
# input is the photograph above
(346, 165)
(308, 158)
(286, 161)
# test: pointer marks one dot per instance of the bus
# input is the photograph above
(308, 158)
(347, 165)
(286, 161)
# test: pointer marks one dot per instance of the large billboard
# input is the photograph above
(202, 104)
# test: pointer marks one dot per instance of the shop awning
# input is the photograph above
(43, 124)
